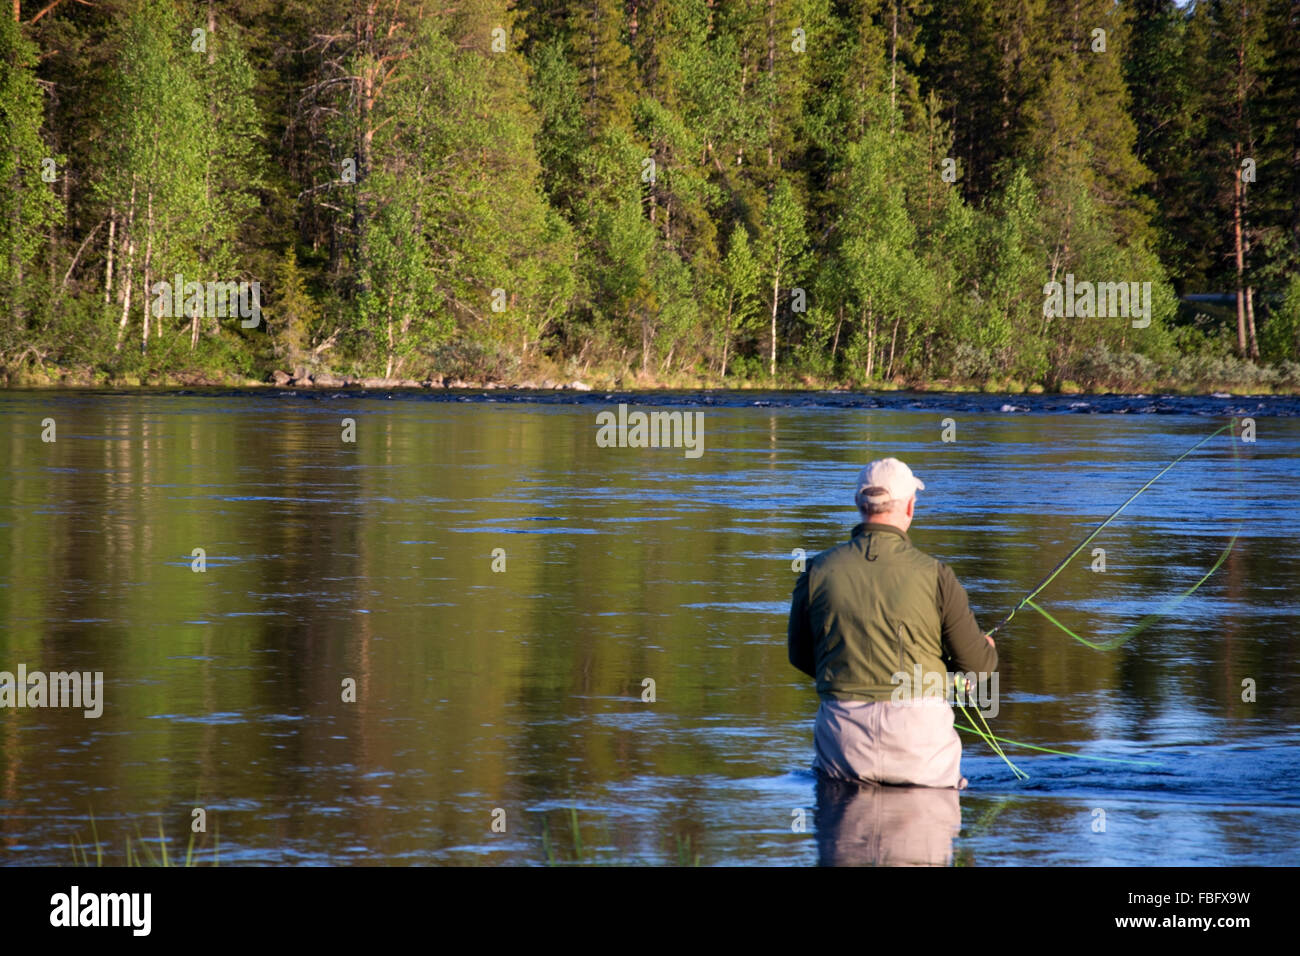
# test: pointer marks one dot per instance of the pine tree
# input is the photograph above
(1276, 196)
(988, 59)
(1164, 97)
(598, 47)
(294, 317)
(1234, 58)
(1079, 134)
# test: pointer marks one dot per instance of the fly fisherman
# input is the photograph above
(865, 618)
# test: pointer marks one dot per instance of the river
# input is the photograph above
(476, 635)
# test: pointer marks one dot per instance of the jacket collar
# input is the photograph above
(869, 528)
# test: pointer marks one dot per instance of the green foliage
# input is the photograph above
(854, 191)
(740, 286)
(471, 361)
(783, 242)
(460, 236)
(1280, 341)
(294, 316)
(28, 205)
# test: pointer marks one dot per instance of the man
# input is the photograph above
(865, 617)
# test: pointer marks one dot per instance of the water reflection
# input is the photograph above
(373, 562)
(877, 825)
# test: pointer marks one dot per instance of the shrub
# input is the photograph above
(466, 359)
(971, 362)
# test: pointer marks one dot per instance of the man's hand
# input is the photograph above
(989, 638)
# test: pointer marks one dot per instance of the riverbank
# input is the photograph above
(1260, 381)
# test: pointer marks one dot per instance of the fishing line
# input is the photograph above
(992, 739)
(987, 737)
(987, 734)
(1028, 600)
(1062, 753)
(1150, 619)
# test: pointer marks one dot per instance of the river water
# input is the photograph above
(437, 643)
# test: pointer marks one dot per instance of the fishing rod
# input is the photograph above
(1028, 600)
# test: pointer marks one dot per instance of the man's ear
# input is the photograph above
(911, 503)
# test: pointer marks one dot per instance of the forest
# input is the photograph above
(652, 193)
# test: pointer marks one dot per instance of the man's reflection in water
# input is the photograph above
(875, 825)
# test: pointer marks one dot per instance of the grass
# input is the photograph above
(576, 833)
(684, 857)
(579, 852)
(151, 852)
(141, 853)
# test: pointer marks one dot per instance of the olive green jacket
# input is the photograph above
(874, 608)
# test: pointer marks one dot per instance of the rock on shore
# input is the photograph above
(302, 378)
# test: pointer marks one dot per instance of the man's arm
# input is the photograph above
(962, 638)
(799, 638)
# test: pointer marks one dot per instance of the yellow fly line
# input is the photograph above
(985, 733)
(1164, 609)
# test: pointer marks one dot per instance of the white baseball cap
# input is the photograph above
(886, 480)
